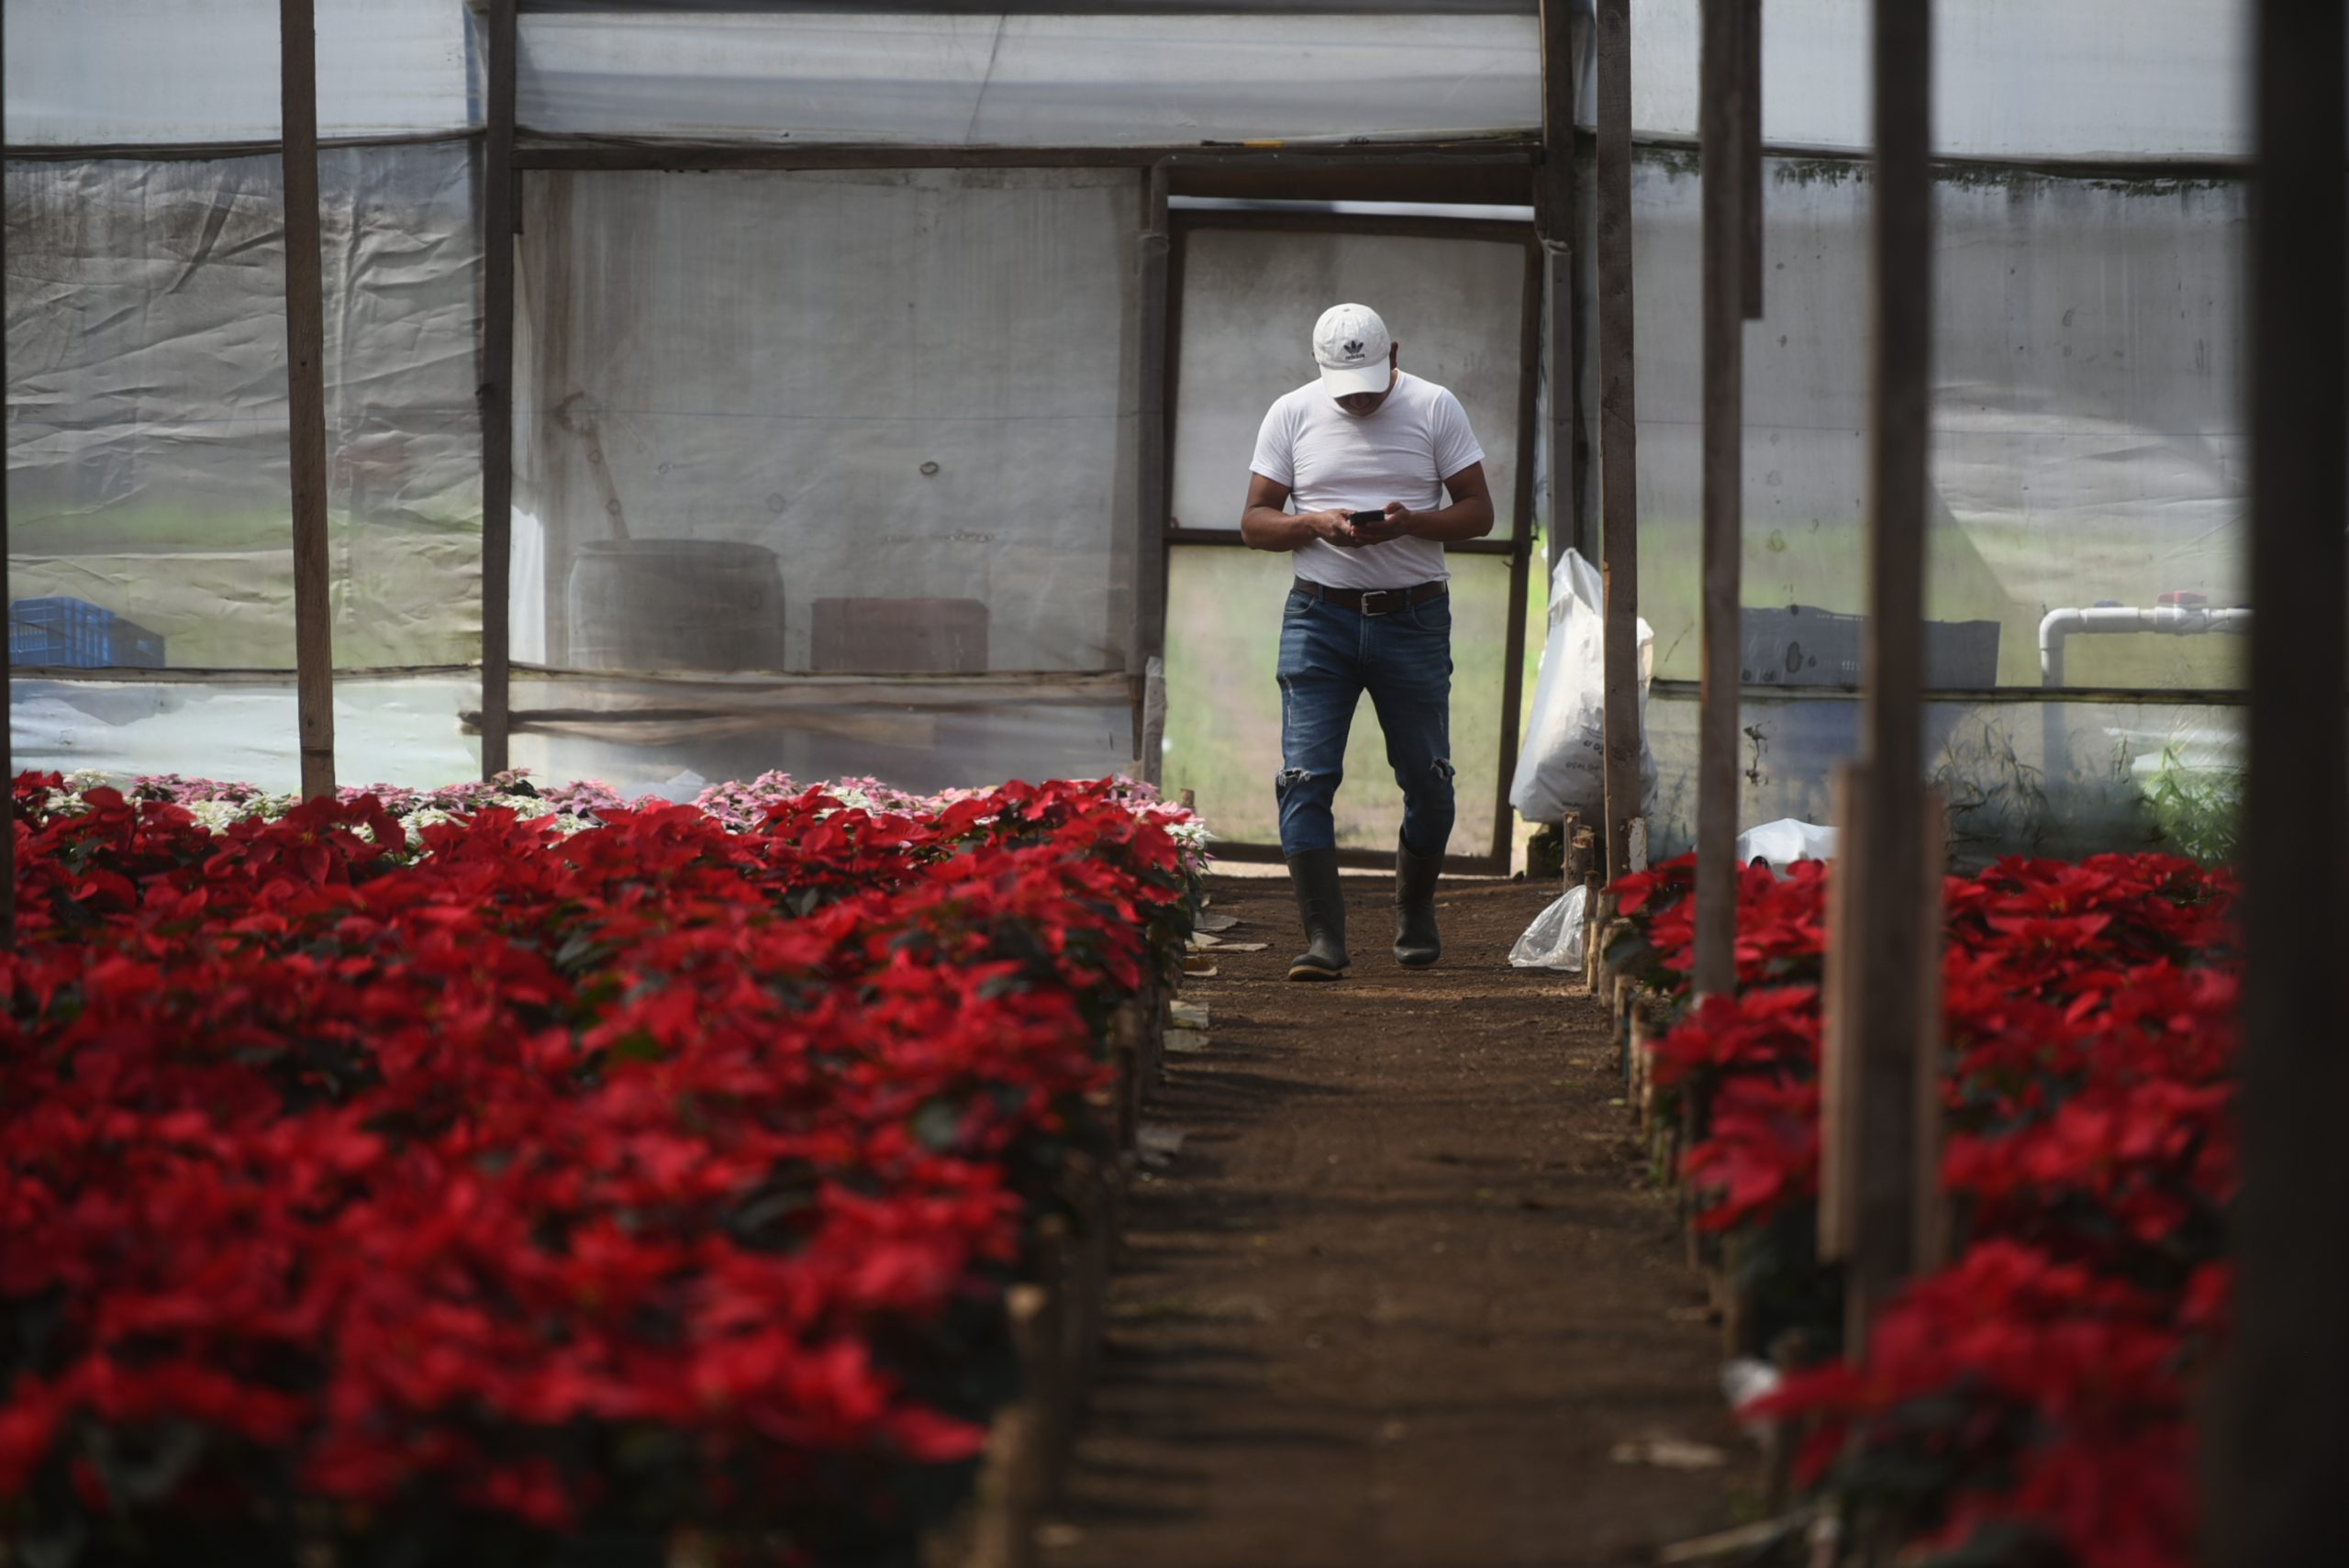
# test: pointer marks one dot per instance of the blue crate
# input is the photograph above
(75, 634)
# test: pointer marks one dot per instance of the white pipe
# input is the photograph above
(2170, 620)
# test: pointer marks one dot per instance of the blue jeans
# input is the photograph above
(1330, 656)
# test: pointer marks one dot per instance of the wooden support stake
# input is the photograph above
(1883, 1026)
(1722, 119)
(496, 398)
(306, 395)
(2279, 1456)
(1617, 438)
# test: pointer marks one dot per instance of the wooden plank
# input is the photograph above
(2280, 1448)
(1749, 66)
(1887, 941)
(497, 395)
(1721, 122)
(306, 395)
(1618, 437)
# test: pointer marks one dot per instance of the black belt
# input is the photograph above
(1373, 601)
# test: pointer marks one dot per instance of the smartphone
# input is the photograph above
(1364, 519)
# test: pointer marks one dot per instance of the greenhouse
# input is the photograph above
(527, 464)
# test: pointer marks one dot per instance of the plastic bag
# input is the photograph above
(1561, 766)
(1554, 940)
(1785, 841)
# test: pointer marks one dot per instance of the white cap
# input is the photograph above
(1350, 344)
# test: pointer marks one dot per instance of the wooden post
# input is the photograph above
(1885, 1025)
(1556, 211)
(498, 396)
(1618, 435)
(8, 724)
(1749, 72)
(1722, 121)
(1150, 466)
(2279, 1458)
(306, 395)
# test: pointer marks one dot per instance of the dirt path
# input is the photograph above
(1401, 1292)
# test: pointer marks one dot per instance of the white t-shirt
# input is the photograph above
(1327, 457)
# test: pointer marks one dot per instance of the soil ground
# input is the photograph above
(1403, 1289)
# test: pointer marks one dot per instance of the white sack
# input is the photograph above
(1561, 766)
(1554, 940)
(1785, 841)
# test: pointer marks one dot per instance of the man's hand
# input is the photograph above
(1398, 521)
(1335, 526)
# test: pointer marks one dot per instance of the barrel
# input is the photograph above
(675, 603)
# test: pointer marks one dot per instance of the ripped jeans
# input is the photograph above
(1330, 656)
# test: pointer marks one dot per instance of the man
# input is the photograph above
(1366, 453)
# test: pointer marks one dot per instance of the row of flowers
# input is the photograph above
(463, 1191)
(217, 803)
(2029, 1403)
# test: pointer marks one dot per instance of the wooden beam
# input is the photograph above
(1619, 436)
(498, 396)
(586, 154)
(306, 395)
(2280, 1453)
(1722, 125)
(1234, 539)
(1889, 940)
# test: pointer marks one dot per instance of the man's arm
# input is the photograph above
(1470, 516)
(1266, 526)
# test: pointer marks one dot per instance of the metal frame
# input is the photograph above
(1518, 546)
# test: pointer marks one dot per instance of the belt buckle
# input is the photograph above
(1381, 595)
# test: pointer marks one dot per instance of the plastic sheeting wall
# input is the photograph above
(907, 385)
(2101, 79)
(672, 736)
(1250, 297)
(1223, 704)
(2087, 437)
(2059, 779)
(147, 430)
(1456, 308)
(400, 730)
(1075, 81)
(144, 72)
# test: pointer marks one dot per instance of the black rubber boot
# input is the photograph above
(1319, 899)
(1417, 943)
